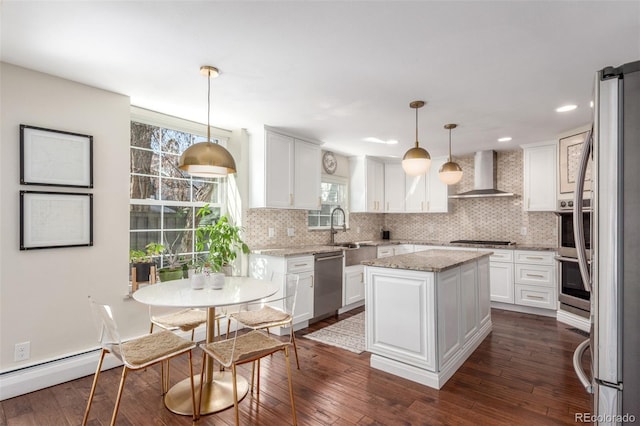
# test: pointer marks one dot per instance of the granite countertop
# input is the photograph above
(428, 261)
(313, 249)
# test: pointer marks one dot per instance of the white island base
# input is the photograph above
(423, 325)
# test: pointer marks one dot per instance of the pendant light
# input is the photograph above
(416, 161)
(207, 159)
(450, 172)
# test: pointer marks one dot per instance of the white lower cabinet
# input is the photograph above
(535, 279)
(394, 250)
(423, 325)
(274, 267)
(353, 291)
(501, 276)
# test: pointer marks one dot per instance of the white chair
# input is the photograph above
(272, 313)
(135, 354)
(245, 348)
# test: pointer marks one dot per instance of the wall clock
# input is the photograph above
(329, 162)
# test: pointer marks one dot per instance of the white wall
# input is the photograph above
(43, 293)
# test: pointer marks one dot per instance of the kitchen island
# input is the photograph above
(426, 312)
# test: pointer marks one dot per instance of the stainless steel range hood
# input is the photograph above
(484, 182)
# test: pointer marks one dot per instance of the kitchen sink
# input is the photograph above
(348, 245)
(357, 254)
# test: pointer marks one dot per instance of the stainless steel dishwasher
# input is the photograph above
(327, 284)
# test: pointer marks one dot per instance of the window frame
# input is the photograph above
(340, 180)
(164, 121)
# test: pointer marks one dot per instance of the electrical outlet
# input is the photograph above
(291, 232)
(22, 351)
(523, 231)
(272, 233)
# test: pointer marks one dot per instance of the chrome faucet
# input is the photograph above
(344, 223)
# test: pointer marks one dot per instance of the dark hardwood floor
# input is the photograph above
(521, 374)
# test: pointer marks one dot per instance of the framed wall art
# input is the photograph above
(55, 219)
(56, 158)
(570, 152)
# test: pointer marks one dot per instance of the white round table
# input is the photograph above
(217, 392)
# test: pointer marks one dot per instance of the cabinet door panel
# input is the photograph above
(394, 178)
(449, 326)
(438, 192)
(469, 295)
(279, 178)
(353, 285)
(415, 193)
(501, 278)
(307, 176)
(540, 178)
(304, 298)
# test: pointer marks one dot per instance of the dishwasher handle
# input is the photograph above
(320, 259)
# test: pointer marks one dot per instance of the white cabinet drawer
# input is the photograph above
(535, 257)
(500, 255)
(539, 297)
(536, 275)
(385, 251)
(300, 264)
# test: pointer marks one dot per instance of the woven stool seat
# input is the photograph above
(149, 349)
(247, 347)
(185, 320)
(261, 317)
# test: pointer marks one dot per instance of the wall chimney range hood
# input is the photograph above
(484, 182)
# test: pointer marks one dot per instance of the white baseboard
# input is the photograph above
(32, 378)
(524, 309)
(574, 320)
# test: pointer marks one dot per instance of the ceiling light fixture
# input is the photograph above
(566, 108)
(207, 159)
(505, 139)
(416, 161)
(450, 172)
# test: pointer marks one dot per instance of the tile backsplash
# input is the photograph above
(498, 218)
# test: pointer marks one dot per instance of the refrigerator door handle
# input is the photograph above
(578, 220)
(577, 365)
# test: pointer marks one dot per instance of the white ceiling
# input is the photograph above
(340, 71)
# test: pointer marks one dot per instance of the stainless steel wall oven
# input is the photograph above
(573, 296)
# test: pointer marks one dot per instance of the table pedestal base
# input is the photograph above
(217, 395)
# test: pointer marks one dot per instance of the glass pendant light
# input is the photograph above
(207, 159)
(416, 161)
(450, 172)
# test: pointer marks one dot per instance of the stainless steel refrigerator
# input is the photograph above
(613, 276)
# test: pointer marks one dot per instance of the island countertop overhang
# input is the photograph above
(429, 260)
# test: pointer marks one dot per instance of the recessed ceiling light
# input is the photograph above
(378, 140)
(591, 104)
(566, 108)
(505, 139)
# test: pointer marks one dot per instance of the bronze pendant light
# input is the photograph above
(416, 161)
(207, 159)
(450, 172)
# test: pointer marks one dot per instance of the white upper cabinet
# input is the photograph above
(366, 185)
(438, 191)
(285, 172)
(306, 185)
(427, 193)
(394, 192)
(540, 176)
(279, 158)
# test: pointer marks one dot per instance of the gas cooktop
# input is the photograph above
(483, 242)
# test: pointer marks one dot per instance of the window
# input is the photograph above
(163, 199)
(334, 193)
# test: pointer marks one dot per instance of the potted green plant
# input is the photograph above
(174, 264)
(143, 260)
(219, 238)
